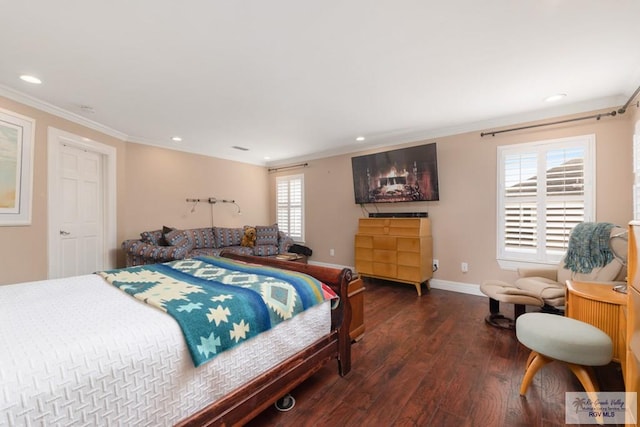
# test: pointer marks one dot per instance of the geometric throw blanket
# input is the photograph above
(589, 247)
(218, 302)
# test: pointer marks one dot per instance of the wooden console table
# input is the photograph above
(599, 305)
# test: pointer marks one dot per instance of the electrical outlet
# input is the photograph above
(332, 252)
(436, 264)
(464, 267)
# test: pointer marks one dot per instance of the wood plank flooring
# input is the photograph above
(433, 361)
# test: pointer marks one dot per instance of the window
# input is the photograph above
(544, 189)
(290, 205)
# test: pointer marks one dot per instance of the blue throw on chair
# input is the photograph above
(589, 247)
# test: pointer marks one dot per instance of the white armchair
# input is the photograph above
(549, 285)
(546, 288)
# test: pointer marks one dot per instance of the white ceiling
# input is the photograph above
(296, 79)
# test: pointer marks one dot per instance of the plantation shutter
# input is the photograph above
(565, 196)
(521, 217)
(545, 189)
(289, 202)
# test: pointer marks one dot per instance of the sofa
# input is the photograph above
(169, 244)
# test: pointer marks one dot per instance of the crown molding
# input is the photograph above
(375, 141)
(387, 140)
(31, 101)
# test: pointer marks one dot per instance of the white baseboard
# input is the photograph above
(326, 264)
(446, 285)
(463, 288)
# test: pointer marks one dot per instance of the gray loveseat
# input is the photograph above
(170, 244)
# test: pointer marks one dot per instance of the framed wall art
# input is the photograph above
(16, 168)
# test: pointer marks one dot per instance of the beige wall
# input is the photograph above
(153, 184)
(23, 250)
(159, 181)
(464, 219)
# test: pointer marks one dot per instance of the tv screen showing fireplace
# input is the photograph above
(403, 175)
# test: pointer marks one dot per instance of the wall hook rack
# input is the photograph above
(212, 201)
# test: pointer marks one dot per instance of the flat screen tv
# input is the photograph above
(403, 175)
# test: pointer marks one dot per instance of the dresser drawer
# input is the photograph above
(410, 227)
(408, 245)
(384, 242)
(411, 259)
(384, 256)
(363, 241)
(385, 270)
(364, 267)
(411, 274)
(364, 254)
(374, 226)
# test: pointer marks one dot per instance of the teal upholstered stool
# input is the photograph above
(552, 337)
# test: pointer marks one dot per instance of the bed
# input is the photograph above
(80, 351)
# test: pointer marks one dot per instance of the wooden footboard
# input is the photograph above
(248, 401)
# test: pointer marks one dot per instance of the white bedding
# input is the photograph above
(78, 351)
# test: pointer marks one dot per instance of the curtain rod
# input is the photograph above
(299, 165)
(613, 113)
(624, 107)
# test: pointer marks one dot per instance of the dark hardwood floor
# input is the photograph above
(433, 361)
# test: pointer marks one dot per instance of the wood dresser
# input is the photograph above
(396, 249)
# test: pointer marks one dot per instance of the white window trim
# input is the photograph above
(288, 178)
(510, 262)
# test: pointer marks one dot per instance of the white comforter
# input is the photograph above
(78, 351)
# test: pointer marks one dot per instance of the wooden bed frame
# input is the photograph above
(254, 397)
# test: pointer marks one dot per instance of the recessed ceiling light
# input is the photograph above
(556, 97)
(30, 79)
(176, 139)
(267, 158)
(360, 138)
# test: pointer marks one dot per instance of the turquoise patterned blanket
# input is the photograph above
(219, 303)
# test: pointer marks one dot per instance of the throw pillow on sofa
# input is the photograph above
(202, 238)
(178, 238)
(226, 237)
(156, 237)
(152, 237)
(267, 235)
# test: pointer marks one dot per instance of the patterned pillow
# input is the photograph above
(178, 238)
(201, 238)
(156, 237)
(228, 236)
(153, 237)
(267, 235)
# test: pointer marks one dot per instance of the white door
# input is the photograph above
(81, 205)
(81, 229)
